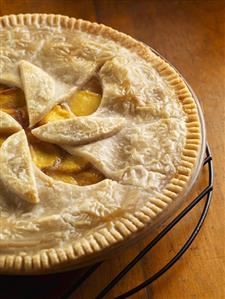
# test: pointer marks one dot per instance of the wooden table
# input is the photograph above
(191, 35)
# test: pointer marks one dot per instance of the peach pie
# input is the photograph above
(98, 137)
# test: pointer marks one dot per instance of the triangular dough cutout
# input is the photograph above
(10, 78)
(39, 89)
(9, 72)
(8, 124)
(80, 130)
(16, 167)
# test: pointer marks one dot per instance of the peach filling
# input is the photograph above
(50, 158)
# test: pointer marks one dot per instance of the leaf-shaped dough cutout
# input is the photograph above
(16, 167)
(8, 124)
(78, 131)
(39, 89)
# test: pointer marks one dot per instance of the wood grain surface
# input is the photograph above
(191, 35)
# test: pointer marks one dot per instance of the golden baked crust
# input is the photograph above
(141, 204)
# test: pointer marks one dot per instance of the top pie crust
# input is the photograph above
(8, 124)
(145, 138)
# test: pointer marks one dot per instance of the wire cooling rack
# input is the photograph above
(206, 194)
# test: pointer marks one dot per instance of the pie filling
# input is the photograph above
(51, 158)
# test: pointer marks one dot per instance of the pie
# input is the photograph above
(99, 136)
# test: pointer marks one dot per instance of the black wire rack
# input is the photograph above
(206, 194)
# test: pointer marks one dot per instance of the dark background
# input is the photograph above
(191, 35)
